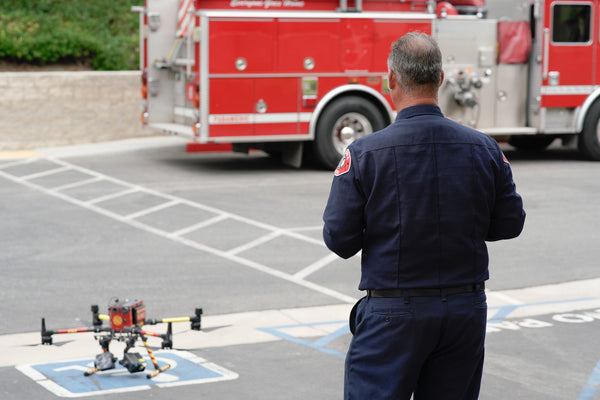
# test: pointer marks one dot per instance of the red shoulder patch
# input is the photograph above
(344, 165)
(505, 159)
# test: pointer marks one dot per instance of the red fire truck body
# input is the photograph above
(297, 77)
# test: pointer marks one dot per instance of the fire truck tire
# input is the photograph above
(359, 115)
(531, 143)
(589, 139)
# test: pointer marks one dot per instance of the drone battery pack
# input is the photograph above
(126, 313)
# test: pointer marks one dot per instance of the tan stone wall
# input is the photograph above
(46, 109)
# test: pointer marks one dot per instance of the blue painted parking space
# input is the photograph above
(591, 386)
(66, 379)
(319, 344)
(498, 322)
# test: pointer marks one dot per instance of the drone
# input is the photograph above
(127, 319)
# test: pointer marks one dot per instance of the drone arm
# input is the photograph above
(102, 317)
(142, 332)
(155, 321)
(167, 338)
(47, 334)
(195, 320)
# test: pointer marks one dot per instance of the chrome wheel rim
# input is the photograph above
(348, 128)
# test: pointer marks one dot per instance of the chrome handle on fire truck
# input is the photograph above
(261, 107)
(553, 78)
(344, 6)
(153, 21)
(153, 86)
(309, 63)
(241, 64)
(545, 53)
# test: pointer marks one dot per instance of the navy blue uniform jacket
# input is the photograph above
(420, 198)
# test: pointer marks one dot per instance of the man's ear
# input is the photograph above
(392, 82)
(442, 78)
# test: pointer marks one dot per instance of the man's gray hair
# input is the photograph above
(416, 60)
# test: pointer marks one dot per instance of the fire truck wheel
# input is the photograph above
(531, 143)
(343, 121)
(589, 139)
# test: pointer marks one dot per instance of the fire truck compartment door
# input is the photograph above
(569, 49)
(241, 107)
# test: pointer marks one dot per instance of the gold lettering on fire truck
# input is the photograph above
(230, 119)
(265, 4)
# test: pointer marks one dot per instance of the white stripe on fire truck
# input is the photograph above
(272, 118)
(568, 89)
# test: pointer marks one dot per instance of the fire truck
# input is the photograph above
(304, 78)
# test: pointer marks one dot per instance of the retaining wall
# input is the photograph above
(46, 109)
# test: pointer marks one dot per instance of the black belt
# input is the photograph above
(429, 292)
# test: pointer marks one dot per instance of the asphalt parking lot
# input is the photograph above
(240, 236)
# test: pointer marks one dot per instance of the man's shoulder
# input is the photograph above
(469, 134)
(375, 140)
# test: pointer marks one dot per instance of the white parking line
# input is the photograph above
(307, 228)
(111, 196)
(92, 205)
(44, 173)
(18, 162)
(151, 210)
(258, 224)
(316, 266)
(76, 184)
(200, 225)
(261, 240)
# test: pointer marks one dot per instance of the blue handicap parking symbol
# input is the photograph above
(67, 379)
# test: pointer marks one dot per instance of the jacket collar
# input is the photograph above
(422, 109)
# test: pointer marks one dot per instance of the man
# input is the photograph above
(420, 198)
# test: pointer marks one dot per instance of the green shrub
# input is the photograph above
(100, 33)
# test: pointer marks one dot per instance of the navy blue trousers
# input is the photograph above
(432, 347)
